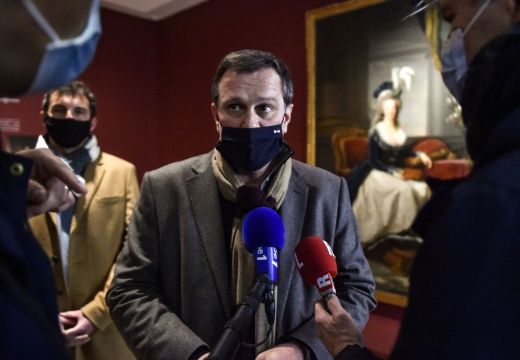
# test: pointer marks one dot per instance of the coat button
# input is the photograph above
(59, 291)
(16, 169)
(55, 259)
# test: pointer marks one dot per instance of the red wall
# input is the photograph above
(124, 78)
(193, 44)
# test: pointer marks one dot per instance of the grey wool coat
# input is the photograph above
(171, 292)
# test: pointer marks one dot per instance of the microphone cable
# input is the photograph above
(249, 345)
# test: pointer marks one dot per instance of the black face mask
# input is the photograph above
(250, 148)
(67, 133)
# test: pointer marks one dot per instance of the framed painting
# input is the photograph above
(352, 47)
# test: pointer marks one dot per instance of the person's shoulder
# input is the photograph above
(110, 161)
(501, 174)
(490, 190)
(379, 126)
(374, 135)
(310, 169)
(313, 174)
(191, 165)
(378, 129)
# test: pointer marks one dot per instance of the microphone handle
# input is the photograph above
(235, 328)
(269, 303)
(325, 285)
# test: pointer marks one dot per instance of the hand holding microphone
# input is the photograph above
(334, 325)
(317, 266)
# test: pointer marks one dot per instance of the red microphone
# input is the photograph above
(317, 264)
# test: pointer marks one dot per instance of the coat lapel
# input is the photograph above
(93, 176)
(291, 211)
(205, 205)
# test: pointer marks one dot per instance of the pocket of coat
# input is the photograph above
(110, 199)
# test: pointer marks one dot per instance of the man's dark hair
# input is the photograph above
(249, 61)
(74, 88)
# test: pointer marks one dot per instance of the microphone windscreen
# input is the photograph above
(315, 259)
(263, 227)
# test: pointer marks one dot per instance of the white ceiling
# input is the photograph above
(150, 9)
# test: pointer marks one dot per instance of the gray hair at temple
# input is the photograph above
(249, 61)
(419, 7)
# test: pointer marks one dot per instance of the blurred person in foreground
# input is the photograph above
(33, 59)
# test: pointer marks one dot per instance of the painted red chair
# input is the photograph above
(344, 160)
(355, 150)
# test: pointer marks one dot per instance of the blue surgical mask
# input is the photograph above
(64, 60)
(454, 63)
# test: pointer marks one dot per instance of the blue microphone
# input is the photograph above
(264, 234)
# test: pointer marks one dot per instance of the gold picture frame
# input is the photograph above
(312, 16)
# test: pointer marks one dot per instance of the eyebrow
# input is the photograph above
(241, 100)
(267, 99)
(77, 109)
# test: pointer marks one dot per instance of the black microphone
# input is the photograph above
(236, 327)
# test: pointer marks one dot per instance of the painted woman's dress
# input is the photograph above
(385, 202)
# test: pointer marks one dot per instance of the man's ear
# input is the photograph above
(93, 124)
(214, 112)
(42, 114)
(287, 118)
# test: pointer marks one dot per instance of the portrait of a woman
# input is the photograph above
(386, 203)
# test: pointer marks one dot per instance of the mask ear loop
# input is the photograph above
(40, 19)
(477, 15)
(283, 117)
(419, 8)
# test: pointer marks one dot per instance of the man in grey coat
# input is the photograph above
(185, 269)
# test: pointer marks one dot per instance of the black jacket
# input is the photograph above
(29, 314)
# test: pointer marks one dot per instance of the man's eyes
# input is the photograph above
(60, 110)
(80, 111)
(261, 109)
(264, 108)
(235, 107)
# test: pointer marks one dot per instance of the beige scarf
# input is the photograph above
(242, 263)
